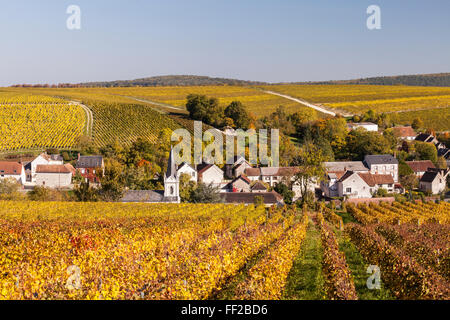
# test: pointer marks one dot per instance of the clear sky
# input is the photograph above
(265, 40)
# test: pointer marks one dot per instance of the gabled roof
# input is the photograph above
(342, 166)
(370, 179)
(444, 152)
(10, 168)
(380, 159)
(90, 162)
(54, 168)
(259, 186)
(425, 137)
(241, 177)
(143, 196)
(404, 132)
(429, 176)
(376, 179)
(253, 172)
(420, 166)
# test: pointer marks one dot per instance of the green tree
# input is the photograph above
(409, 182)
(285, 191)
(311, 170)
(84, 192)
(425, 151)
(239, 114)
(417, 124)
(205, 194)
(205, 109)
(112, 181)
(186, 187)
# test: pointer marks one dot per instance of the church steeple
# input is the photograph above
(171, 182)
(171, 166)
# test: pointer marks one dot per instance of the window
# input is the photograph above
(171, 190)
(390, 185)
(348, 190)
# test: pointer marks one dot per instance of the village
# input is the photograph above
(377, 176)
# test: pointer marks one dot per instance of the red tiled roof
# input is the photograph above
(53, 168)
(375, 179)
(404, 132)
(420, 166)
(253, 172)
(10, 168)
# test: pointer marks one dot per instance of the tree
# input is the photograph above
(239, 114)
(84, 192)
(311, 170)
(9, 189)
(285, 191)
(441, 163)
(404, 169)
(361, 142)
(409, 182)
(86, 145)
(417, 124)
(205, 109)
(186, 187)
(205, 194)
(112, 181)
(425, 151)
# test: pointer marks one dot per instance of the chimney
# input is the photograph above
(78, 156)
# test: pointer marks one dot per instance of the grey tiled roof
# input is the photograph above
(90, 162)
(143, 196)
(380, 159)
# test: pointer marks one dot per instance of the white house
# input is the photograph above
(420, 167)
(434, 181)
(210, 174)
(363, 185)
(369, 126)
(382, 164)
(54, 175)
(186, 168)
(13, 170)
(405, 133)
(42, 159)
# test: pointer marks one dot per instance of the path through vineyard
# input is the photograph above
(305, 103)
(89, 117)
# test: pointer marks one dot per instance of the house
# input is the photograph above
(235, 169)
(369, 126)
(404, 133)
(258, 187)
(210, 174)
(382, 164)
(420, 167)
(425, 137)
(363, 185)
(239, 184)
(42, 159)
(269, 198)
(89, 166)
(186, 168)
(54, 175)
(434, 181)
(13, 170)
(335, 171)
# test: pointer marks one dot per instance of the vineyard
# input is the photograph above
(357, 99)
(29, 126)
(63, 250)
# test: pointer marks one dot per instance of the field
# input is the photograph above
(357, 99)
(57, 250)
(31, 126)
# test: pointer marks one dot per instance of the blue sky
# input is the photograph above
(265, 40)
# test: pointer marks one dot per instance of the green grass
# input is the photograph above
(346, 217)
(305, 280)
(358, 267)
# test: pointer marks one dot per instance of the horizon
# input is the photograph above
(274, 42)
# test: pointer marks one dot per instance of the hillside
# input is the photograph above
(175, 80)
(428, 80)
